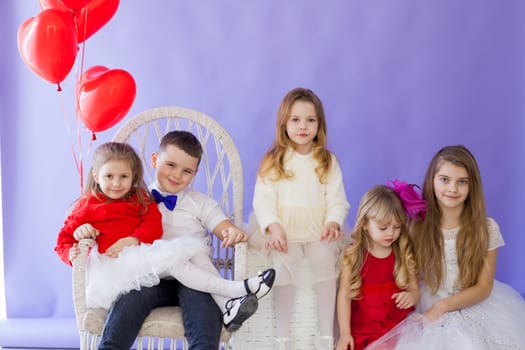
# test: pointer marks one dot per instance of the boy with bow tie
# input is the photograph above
(189, 213)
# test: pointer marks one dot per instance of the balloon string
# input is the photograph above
(77, 161)
(82, 57)
(81, 168)
(78, 76)
(81, 177)
(84, 31)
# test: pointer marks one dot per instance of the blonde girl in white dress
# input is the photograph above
(300, 206)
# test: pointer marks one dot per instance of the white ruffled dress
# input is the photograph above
(497, 323)
(136, 266)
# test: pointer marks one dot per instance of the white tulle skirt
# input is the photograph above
(136, 266)
(496, 323)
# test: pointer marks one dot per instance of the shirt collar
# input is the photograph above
(156, 186)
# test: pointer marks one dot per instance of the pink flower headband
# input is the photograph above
(414, 204)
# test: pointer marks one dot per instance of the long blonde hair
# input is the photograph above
(379, 203)
(472, 239)
(272, 164)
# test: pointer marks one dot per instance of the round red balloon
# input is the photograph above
(89, 18)
(104, 97)
(48, 44)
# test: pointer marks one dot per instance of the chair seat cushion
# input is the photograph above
(163, 322)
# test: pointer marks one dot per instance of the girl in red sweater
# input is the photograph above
(115, 208)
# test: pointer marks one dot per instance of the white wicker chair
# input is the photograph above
(220, 176)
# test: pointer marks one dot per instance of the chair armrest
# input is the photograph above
(79, 280)
(241, 258)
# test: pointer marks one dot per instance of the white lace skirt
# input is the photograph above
(496, 323)
(136, 266)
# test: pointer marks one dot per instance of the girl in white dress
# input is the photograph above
(300, 205)
(462, 306)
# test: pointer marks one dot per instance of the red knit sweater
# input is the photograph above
(115, 219)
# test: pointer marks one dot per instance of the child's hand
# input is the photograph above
(435, 312)
(233, 235)
(332, 231)
(404, 300)
(278, 239)
(122, 243)
(74, 251)
(346, 341)
(85, 231)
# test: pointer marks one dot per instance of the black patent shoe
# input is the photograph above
(266, 279)
(239, 310)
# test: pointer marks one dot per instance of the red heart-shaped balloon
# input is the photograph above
(74, 4)
(104, 97)
(89, 18)
(48, 44)
(53, 4)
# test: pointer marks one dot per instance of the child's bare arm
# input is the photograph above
(468, 296)
(229, 234)
(410, 297)
(405, 299)
(343, 309)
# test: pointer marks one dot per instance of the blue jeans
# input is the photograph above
(201, 316)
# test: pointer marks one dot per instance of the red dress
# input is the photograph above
(375, 313)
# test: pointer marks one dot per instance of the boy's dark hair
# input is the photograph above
(184, 140)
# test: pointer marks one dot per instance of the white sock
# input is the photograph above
(253, 284)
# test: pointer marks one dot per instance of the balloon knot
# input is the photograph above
(93, 137)
(59, 88)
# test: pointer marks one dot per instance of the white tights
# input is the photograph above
(200, 274)
(323, 258)
(284, 300)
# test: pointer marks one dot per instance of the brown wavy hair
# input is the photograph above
(473, 237)
(272, 164)
(118, 151)
(380, 203)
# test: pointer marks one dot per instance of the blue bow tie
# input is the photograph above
(169, 200)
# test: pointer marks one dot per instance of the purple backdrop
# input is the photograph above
(398, 81)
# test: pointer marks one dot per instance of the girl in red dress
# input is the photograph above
(378, 283)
